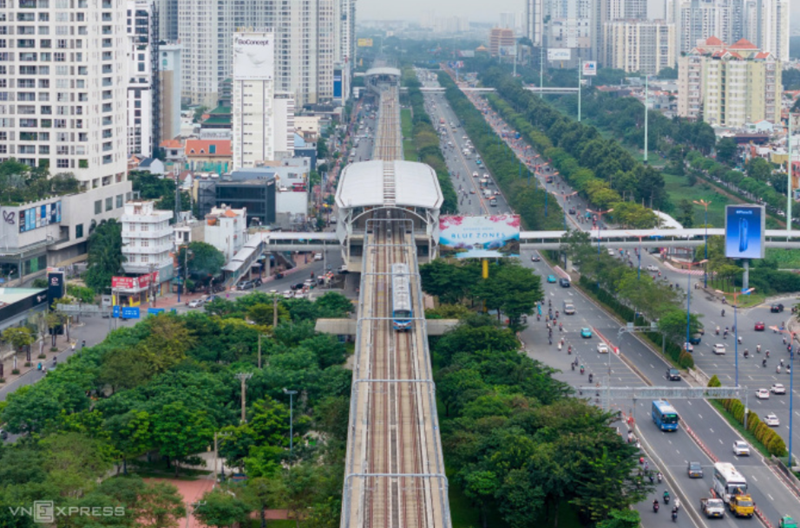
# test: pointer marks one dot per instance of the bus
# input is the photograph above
(728, 481)
(665, 416)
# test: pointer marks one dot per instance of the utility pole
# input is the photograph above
(243, 377)
(789, 180)
(646, 110)
(274, 315)
(580, 86)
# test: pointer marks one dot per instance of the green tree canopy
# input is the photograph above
(105, 255)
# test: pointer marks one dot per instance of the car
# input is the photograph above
(776, 308)
(297, 286)
(695, 470)
(653, 268)
(695, 339)
(611, 252)
(197, 303)
(475, 174)
(288, 294)
(472, 191)
(778, 388)
(762, 394)
(740, 448)
(536, 258)
(246, 285)
(772, 420)
(688, 347)
(572, 211)
(673, 374)
(564, 283)
(341, 270)
(719, 349)
(551, 279)
(586, 333)
(759, 326)
(318, 256)
(602, 348)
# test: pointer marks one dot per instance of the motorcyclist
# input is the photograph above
(659, 476)
(674, 514)
(764, 363)
(717, 330)
(758, 348)
(582, 369)
(746, 353)
(740, 339)
(591, 377)
(569, 349)
(655, 505)
(723, 313)
(666, 496)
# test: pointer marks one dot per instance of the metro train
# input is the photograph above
(402, 312)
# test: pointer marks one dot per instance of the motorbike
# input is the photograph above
(655, 506)
(591, 377)
(675, 515)
(764, 363)
(666, 498)
(569, 350)
(582, 369)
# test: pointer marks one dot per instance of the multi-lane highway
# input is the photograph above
(671, 451)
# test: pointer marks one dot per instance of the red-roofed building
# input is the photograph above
(208, 155)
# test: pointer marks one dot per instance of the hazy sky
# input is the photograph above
(474, 9)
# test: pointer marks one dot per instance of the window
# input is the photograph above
(79, 231)
(145, 227)
(144, 243)
(98, 207)
(119, 201)
(109, 203)
(62, 163)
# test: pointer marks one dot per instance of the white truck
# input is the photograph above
(487, 193)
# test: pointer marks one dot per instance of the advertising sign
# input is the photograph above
(479, 236)
(589, 68)
(36, 217)
(253, 56)
(559, 54)
(337, 85)
(123, 283)
(744, 231)
(365, 43)
(129, 312)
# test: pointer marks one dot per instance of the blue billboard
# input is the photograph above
(744, 231)
(337, 85)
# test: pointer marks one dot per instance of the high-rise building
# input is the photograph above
(167, 20)
(729, 85)
(534, 21)
(304, 55)
(261, 117)
(63, 94)
(639, 45)
(344, 55)
(147, 240)
(602, 11)
(143, 84)
(169, 78)
(500, 38)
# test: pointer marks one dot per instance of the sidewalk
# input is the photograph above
(8, 360)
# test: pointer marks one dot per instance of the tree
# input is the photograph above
(759, 169)
(625, 518)
(221, 508)
(668, 73)
(19, 338)
(180, 431)
(262, 494)
(156, 504)
(726, 151)
(81, 293)
(105, 255)
(673, 324)
(73, 461)
(686, 213)
(131, 434)
(205, 261)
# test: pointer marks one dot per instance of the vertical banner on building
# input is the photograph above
(589, 68)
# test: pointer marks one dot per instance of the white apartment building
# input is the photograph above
(143, 85)
(534, 21)
(344, 54)
(639, 45)
(226, 229)
(147, 243)
(261, 117)
(729, 85)
(63, 78)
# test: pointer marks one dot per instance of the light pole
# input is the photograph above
(599, 216)
(736, 329)
(791, 390)
(291, 394)
(640, 237)
(646, 109)
(243, 377)
(705, 205)
(689, 302)
(565, 196)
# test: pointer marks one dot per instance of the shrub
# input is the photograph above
(714, 381)
(759, 431)
(685, 360)
(15, 371)
(752, 421)
(776, 446)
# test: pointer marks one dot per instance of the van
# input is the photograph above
(569, 308)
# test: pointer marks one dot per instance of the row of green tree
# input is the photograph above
(510, 290)
(637, 297)
(519, 444)
(21, 183)
(518, 184)
(426, 141)
(159, 391)
(602, 170)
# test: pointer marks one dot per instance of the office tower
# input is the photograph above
(344, 57)
(169, 78)
(143, 84)
(262, 118)
(304, 53)
(729, 85)
(602, 11)
(63, 105)
(570, 26)
(772, 34)
(534, 21)
(639, 45)
(167, 20)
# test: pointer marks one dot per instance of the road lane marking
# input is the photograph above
(710, 429)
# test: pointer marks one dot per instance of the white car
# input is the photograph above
(778, 388)
(288, 294)
(772, 420)
(475, 175)
(740, 448)
(197, 303)
(688, 347)
(762, 394)
(719, 349)
(602, 348)
(653, 268)
(317, 256)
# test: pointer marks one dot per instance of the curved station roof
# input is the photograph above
(404, 184)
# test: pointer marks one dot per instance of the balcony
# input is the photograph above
(148, 235)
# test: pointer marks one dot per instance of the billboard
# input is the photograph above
(36, 217)
(744, 231)
(364, 43)
(559, 54)
(589, 68)
(253, 57)
(479, 236)
(337, 84)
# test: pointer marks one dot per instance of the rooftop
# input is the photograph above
(416, 185)
(208, 147)
(12, 295)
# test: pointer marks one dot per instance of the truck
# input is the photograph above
(487, 193)
(741, 505)
(712, 507)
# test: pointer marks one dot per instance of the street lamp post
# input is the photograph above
(640, 237)
(689, 302)
(705, 205)
(736, 329)
(291, 394)
(599, 217)
(564, 197)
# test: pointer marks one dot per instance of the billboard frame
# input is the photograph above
(739, 231)
(479, 236)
